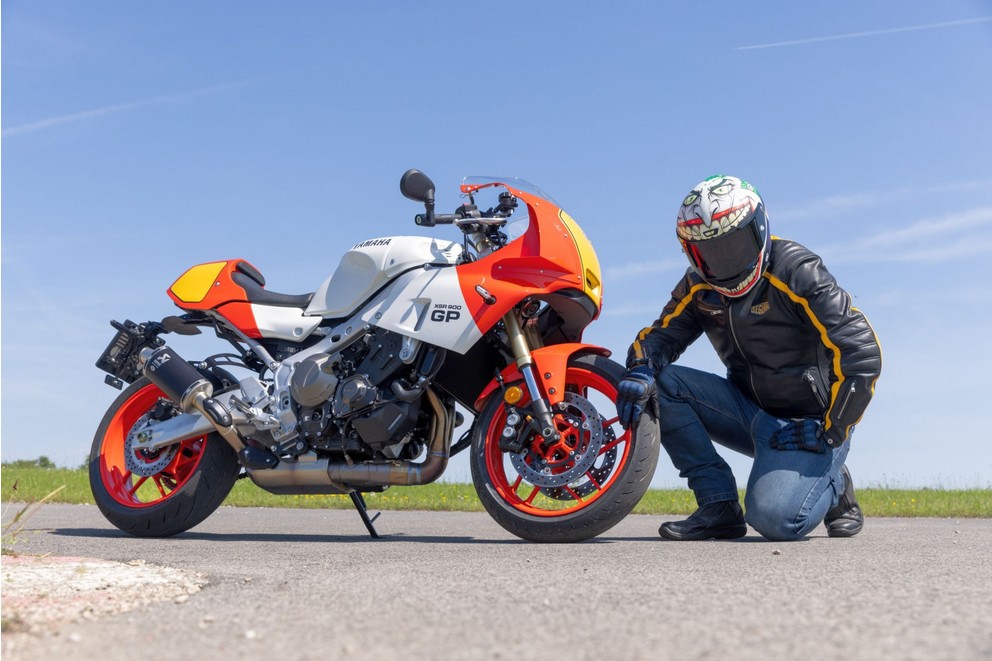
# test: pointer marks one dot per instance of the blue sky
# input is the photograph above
(141, 138)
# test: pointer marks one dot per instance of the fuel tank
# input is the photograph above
(371, 264)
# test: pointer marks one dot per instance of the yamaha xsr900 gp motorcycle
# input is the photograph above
(353, 389)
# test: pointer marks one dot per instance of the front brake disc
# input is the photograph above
(581, 416)
(597, 474)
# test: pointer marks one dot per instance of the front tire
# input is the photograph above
(582, 486)
(156, 494)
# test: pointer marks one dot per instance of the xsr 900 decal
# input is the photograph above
(444, 312)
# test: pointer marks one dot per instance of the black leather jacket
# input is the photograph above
(793, 343)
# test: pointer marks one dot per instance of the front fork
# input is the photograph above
(525, 365)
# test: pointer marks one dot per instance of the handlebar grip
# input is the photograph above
(439, 219)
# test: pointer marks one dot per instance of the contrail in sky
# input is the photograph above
(871, 33)
(179, 97)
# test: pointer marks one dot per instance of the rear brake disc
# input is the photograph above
(142, 462)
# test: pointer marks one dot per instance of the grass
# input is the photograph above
(29, 483)
(11, 531)
(34, 484)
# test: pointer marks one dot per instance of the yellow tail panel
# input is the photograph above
(194, 285)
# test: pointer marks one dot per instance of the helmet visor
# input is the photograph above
(727, 258)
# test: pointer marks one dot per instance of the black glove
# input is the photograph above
(635, 392)
(800, 435)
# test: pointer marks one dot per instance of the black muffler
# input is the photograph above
(179, 380)
(184, 384)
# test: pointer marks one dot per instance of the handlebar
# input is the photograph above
(463, 223)
(468, 218)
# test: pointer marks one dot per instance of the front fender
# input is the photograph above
(550, 364)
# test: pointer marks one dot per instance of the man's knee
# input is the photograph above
(774, 520)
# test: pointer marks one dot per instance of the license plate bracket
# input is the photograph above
(120, 358)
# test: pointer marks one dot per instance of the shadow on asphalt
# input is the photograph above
(363, 539)
(662, 540)
(286, 537)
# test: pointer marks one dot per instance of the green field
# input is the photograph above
(28, 484)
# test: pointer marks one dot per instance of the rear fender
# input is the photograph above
(550, 364)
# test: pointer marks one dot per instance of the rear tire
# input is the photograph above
(578, 504)
(163, 493)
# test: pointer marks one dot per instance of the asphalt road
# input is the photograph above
(304, 584)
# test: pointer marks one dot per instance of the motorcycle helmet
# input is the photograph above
(723, 230)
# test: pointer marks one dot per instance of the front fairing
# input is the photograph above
(551, 254)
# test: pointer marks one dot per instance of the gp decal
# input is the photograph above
(444, 312)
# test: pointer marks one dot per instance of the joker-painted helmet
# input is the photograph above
(724, 232)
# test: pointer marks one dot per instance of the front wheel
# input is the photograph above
(161, 493)
(583, 484)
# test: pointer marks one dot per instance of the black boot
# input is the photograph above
(723, 520)
(845, 518)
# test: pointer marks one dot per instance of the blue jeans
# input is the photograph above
(788, 491)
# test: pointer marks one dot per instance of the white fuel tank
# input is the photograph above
(371, 264)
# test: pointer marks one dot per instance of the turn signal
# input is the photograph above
(513, 395)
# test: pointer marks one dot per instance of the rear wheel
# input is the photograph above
(583, 484)
(161, 493)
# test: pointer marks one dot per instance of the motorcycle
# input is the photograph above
(354, 388)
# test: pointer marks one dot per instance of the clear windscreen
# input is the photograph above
(505, 182)
(485, 192)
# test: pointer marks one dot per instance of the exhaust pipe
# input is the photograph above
(182, 383)
(405, 473)
(309, 474)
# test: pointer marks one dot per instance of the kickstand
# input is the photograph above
(363, 512)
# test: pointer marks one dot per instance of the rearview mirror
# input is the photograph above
(417, 186)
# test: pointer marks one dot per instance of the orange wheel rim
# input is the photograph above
(582, 492)
(128, 488)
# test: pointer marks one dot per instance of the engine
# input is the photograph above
(364, 402)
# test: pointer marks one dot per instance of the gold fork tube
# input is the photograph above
(518, 341)
(525, 363)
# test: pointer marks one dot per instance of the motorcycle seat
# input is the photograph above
(251, 280)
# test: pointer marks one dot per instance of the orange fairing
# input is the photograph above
(210, 287)
(553, 254)
(551, 363)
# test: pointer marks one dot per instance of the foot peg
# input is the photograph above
(216, 412)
